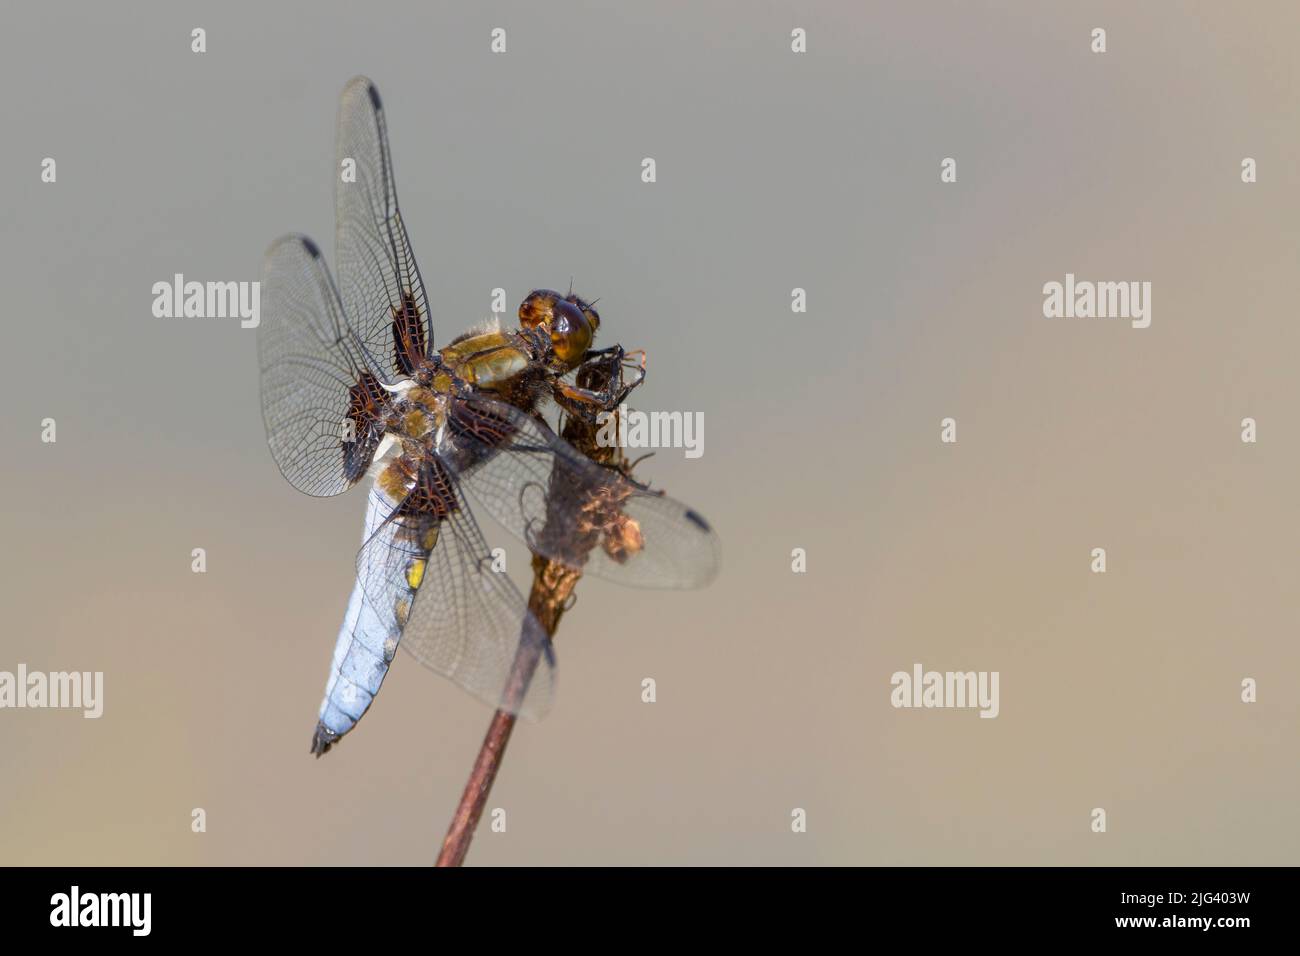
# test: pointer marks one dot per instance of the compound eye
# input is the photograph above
(593, 317)
(570, 332)
(538, 307)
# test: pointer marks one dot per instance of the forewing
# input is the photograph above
(321, 405)
(461, 619)
(378, 277)
(568, 508)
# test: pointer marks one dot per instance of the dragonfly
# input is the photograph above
(354, 389)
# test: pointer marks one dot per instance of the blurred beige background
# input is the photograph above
(822, 430)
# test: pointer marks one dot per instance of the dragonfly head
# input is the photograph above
(569, 319)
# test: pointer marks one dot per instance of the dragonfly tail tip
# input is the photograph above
(322, 740)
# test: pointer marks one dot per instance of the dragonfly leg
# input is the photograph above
(602, 384)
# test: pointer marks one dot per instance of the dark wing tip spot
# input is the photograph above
(322, 740)
(696, 519)
(374, 97)
(313, 250)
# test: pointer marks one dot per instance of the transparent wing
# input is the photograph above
(567, 508)
(378, 278)
(432, 575)
(323, 409)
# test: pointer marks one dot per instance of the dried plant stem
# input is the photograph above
(552, 585)
(551, 594)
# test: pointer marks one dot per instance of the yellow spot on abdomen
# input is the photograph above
(415, 574)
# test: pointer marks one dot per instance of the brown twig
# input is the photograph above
(550, 596)
(552, 585)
